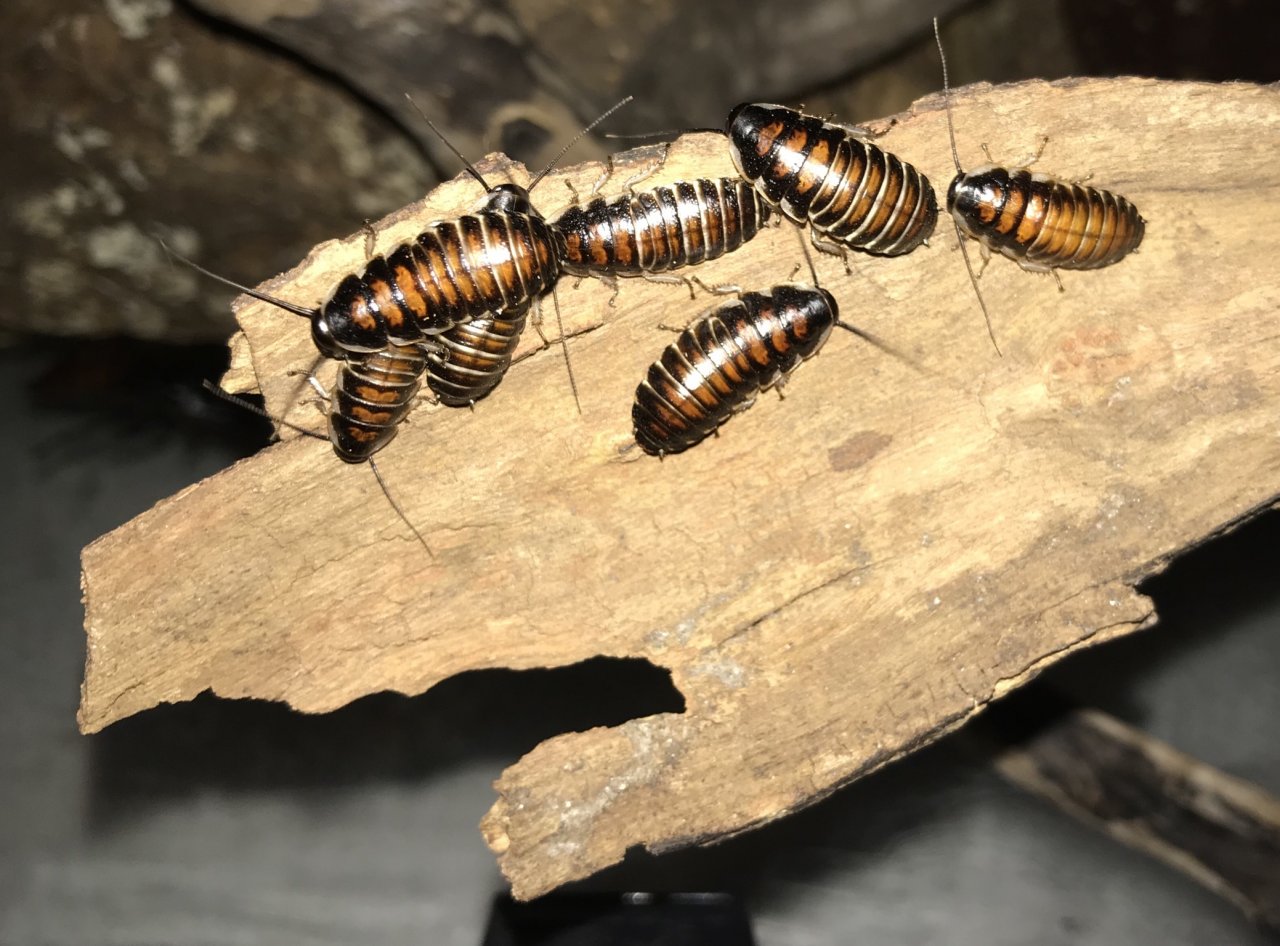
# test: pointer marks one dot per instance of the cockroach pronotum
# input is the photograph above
(850, 192)
(721, 362)
(1042, 223)
(655, 231)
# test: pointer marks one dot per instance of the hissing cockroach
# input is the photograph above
(718, 365)
(852, 193)
(487, 262)
(492, 261)
(1041, 222)
(1044, 223)
(474, 357)
(372, 395)
(455, 270)
(654, 231)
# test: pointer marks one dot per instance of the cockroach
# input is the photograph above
(723, 360)
(658, 230)
(486, 262)
(475, 356)
(718, 365)
(1042, 223)
(850, 192)
(372, 396)
(370, 399)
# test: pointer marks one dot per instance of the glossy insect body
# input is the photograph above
(1041, 222)
(675, 225)
(372, 396)
(723, 360)
(851, 192)
(475, 357)
(454, 271)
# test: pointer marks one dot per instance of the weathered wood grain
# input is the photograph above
(840, 577)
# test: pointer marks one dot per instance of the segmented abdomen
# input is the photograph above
(477, 355)
(1043, 222)
(454, 271)
(373, 394)
(723, 360)
(848, 190)
(674, 225)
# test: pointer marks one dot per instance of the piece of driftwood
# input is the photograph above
(835, 580)
(1221, 831)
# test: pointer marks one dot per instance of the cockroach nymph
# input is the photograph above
(660, 229)
(455, 270)
(850, 192)
(370, 399)
(489, 261)
(1043, 223)
(483, 263)
(474, 357)
(718, 365)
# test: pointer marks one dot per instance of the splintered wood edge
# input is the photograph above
(981, 517)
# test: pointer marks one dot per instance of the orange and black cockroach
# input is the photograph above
(490, 261)
(486, 262)
(660, 229)
(474, 357)
(371, 396)
(724, 359)
(455, 270)
(852, 193)
(1043, 223)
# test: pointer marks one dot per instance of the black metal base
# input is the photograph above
(628, 919)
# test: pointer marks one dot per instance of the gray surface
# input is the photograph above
(224, 822)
